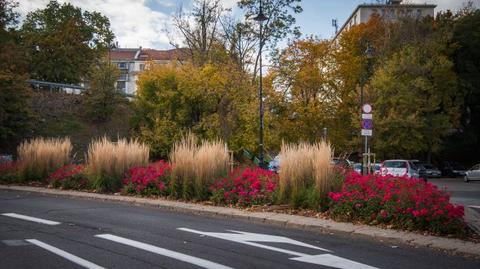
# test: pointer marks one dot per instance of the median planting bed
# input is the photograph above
(198, 171)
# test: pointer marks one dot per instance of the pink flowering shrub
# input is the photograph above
(147, 181)
(245, 187)
(69, 176)
(397, 201)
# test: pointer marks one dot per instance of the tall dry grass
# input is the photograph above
(304, 166)
(41, 156)
(195, 165)
(108, 161)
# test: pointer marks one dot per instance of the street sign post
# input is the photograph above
(367, 126)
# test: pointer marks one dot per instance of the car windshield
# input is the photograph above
(395, 164)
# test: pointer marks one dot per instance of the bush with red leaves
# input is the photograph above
(147, 181)
(69, 176)
(398, 202)
(245, 187)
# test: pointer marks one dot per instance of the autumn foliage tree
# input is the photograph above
(15, 115)
(213, 101)
(302, 93)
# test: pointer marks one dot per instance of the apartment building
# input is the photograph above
(132, 61)
(390, 11)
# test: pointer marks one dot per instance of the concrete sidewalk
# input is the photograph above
(284, 220)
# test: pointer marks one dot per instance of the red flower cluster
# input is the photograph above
(148, 180)
(399, 201)
(8, 171)
(245, 187)
(69, 176)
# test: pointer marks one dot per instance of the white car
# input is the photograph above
(473, 173)
(399, 168)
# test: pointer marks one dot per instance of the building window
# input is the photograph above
(122, 66)
(142, 67)
(122, 77)
(121, 86)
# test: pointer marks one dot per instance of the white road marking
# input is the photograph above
(247, 238)
(332, 261)
(164, 252)
(474, 206)
(251, 238)
(28, 218)
(65, 254)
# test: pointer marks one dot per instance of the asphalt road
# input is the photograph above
(39, 231)
(462, 192)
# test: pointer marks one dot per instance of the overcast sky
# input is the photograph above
(144, 22)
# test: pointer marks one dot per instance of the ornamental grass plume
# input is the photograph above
(41, 156)
(107, 161)
(211, 162)
(304, 166)
(182, 158)
(195, 165)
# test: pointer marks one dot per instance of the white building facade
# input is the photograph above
(391, 11)
(132, 61)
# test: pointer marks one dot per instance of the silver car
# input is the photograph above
(399, 168)
(473, 173)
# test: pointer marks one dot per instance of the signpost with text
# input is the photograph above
(367, 130)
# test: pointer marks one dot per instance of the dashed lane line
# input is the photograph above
(164, 252)
(28, 218)
(65, 254)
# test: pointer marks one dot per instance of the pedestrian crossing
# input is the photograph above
(92, 254)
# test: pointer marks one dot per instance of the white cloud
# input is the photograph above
(133, 22)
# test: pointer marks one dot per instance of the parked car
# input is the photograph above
(341, 162)
(453, 169)
(375, 167)
(432, 171)
(357, 167)
(422, 171)
(399, 168)
(473, 173)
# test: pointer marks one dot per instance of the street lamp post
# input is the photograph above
(369, 55)
(261, 18)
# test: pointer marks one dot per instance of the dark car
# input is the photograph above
(453, 169)
(432, 171)
(422, 171)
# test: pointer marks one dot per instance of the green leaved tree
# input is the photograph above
(64, 41)
(102, 98)
(15, 115)
(416, 101)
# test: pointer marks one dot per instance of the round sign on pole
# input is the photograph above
(367, 108)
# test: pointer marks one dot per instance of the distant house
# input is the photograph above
(390, 11)
(132, 61)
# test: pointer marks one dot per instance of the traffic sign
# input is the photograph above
(367, 132)
(367, 124)
(367, 108)
(367, 116)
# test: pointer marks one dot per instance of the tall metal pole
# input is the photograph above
(260, 18)
(260, 96)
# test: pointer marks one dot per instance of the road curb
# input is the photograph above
(285, 220)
